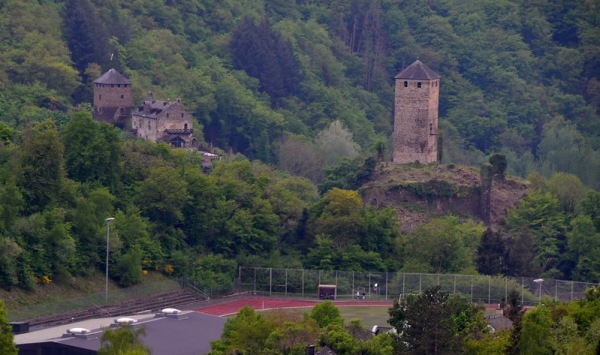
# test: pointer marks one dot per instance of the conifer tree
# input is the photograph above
(7, 345)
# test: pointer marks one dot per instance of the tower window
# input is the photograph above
(167, 115)
(99, 97)
(419, 84)
(185, 126)
(182, 115)
(406, 84)
(122, 96)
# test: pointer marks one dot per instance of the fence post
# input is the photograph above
(522, 290)
(369, 285)
(403, 282)
(572, 290)
(489, 289)
(285, 282)
(386, 285)
(472, 288)
(353, 287)
(270, 280)
(302, 282)
(255, 281)
(454, 288)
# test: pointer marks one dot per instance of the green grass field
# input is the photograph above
(368, 315)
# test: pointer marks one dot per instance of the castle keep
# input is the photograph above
(416, 103)
(112, 98)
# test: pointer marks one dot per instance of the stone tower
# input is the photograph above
(112, 98)
(416, 115)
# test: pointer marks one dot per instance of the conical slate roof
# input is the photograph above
(417, 71)
(112, 77)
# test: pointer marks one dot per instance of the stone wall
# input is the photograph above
(112, 102)
(416, 121)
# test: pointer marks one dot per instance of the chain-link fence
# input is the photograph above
(389, 285)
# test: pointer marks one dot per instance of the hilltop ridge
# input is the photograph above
(421, 192)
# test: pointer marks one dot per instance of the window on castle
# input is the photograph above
(149, 126)
(167, 115)
(406, 84)
(419, 84)
(185, 126)
(431, 128)
(182, 115)
(122, 96)
(99, 97)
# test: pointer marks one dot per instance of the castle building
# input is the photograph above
(417, 91)
(112, 98)
(163, 121)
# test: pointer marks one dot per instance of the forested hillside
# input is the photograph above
(299, 96)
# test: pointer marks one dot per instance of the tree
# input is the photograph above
(498, 162)
(92, 151)
(42, 166)
(491, 253)
(247, 333)
(325, 314)
(336, 143)
(123, 340)
(583, 244)
(444, 245)
(342, 218)
(163, 195)
(86, 34)
(264, 54)
(7, 345)
(539, 216)
(434, 322)
(568, 189)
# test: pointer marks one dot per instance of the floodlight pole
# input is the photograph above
(108, 220)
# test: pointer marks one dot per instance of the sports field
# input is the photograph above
(369, 313)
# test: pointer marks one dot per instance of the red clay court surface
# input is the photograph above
(233, 307)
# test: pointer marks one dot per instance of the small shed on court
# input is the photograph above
(327, 292)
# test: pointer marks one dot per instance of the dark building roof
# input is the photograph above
(417, 71)
(153, 108)
(499, 322)
(112, 77)
(189, 334)
(326, 351)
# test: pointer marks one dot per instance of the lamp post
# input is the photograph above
(108, 220)
(539, 282)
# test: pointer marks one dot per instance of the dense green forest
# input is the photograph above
(299, 95)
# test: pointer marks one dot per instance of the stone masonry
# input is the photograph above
(163, 121)
(417, 90)
(112, 98)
